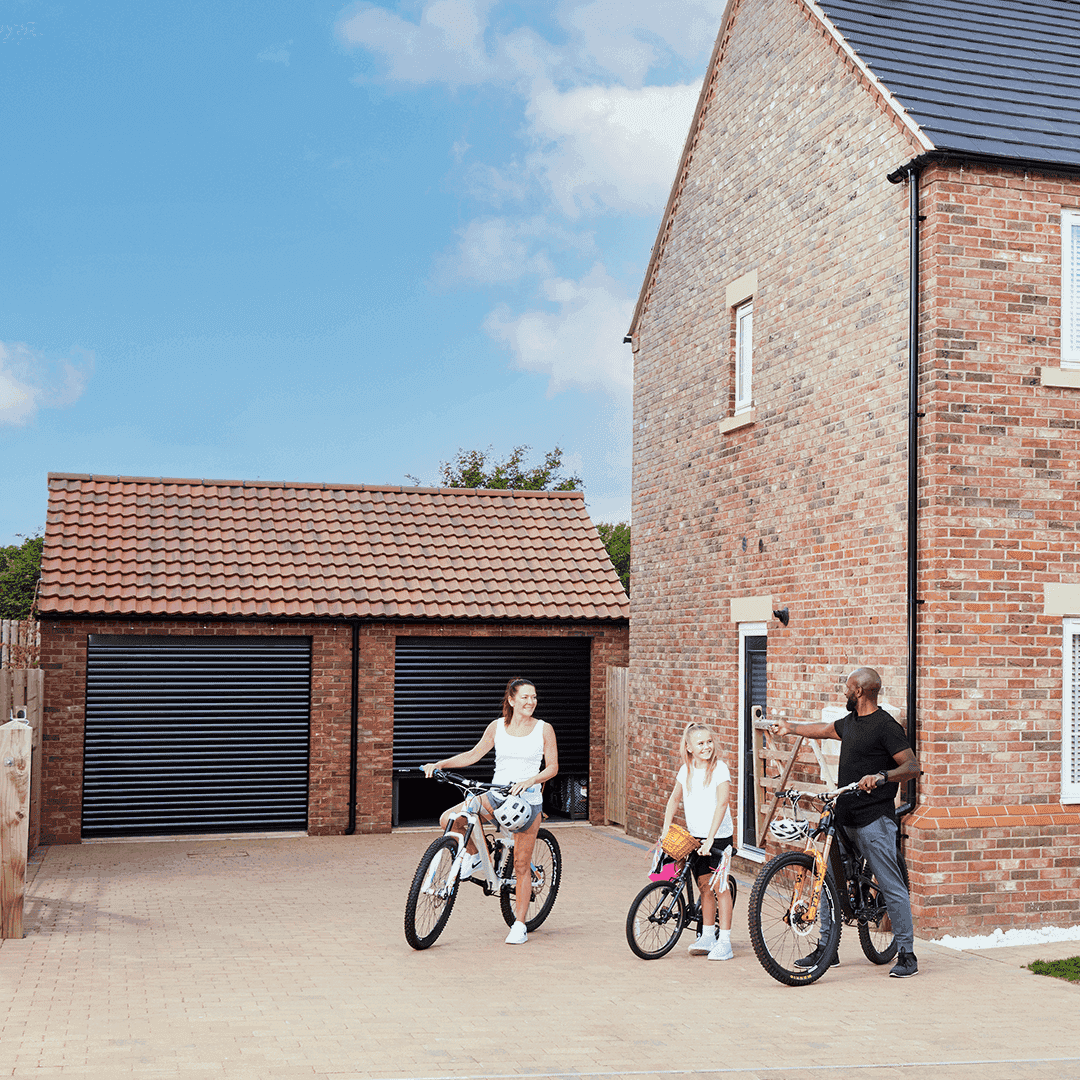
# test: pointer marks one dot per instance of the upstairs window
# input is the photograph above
(744, 351)
(1070, 288)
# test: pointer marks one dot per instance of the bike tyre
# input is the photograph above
(549, 854)
(776, 944)
(650, 939)
(878, 945)
(427, 910)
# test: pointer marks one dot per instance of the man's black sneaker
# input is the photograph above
(815, 958)
(906, 965)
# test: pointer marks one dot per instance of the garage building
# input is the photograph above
(237, 656)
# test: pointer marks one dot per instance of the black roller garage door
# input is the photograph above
(447, 690)
(196, 734)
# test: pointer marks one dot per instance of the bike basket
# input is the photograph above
(678, 843)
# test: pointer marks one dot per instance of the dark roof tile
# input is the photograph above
(990, 77)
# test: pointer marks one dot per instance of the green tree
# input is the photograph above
(478, 469)
(616, 538)
(20, 568)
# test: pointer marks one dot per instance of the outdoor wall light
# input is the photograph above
(782, 614)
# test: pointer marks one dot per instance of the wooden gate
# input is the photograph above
(20, 788)
(21, 688)
(616, 728)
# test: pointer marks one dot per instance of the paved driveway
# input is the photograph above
(263, 958)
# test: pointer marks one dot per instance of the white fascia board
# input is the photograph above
(882, 89)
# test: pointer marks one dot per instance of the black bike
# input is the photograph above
(662, 910)
(787, 896)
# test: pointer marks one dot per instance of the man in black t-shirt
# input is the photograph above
(874, 752)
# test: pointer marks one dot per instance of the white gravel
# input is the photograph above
(1000, 939)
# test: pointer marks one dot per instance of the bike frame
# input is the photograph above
(491, 882)
(831, 852)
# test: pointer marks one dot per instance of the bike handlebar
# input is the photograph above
(463, 782)
(794, 795)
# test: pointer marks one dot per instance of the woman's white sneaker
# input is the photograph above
(518, 934)
(469, 865)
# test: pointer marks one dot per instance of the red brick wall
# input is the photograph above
(63, 657)
(998, 460)
(787, 179)
(64, 660)
(808, 504)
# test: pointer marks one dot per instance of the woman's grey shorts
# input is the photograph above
(497, 798)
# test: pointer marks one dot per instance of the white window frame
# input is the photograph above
(1070, 288)
(1070, 711)
(748, 848)
(744, 356)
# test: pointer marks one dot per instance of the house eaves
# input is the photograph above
(815, 11)
(990, 81)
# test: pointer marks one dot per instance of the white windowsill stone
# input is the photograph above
(745, 419)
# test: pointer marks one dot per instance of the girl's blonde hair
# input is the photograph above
(688, 758)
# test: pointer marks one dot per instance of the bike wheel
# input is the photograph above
(546, 876)
(432, 894)
(875, 927)
(655, 920)
(779, 935)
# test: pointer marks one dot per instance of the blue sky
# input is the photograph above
(294, 241)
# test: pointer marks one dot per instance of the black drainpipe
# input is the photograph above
(910, 172)
(354, 728)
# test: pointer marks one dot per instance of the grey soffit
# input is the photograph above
(991, 77)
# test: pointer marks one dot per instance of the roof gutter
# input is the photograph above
(973, 157)
(910, 173)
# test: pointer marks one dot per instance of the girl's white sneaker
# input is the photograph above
(702, 945)
(518, 934)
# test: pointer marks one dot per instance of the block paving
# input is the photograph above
(258, 958)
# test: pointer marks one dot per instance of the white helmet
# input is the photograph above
(789, 829)
(513, 813)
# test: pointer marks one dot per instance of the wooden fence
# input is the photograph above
(20, 787)
(617, 729)
(20, 644)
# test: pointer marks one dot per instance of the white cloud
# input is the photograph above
(630, 37)
(616, 148)
(453, 41)
(277, 54)
(580, 345)
(594, 139)
(30, 381)
(504, 250)
(492, 250)
(447, 45)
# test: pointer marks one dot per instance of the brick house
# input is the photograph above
(236, 656)
(872, 190)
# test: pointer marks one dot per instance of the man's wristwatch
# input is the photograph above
(884, 776)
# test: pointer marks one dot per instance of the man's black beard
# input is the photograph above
(852, 704)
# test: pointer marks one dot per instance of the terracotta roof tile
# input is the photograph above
(139, 545)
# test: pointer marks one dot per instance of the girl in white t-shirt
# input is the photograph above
(702, 788)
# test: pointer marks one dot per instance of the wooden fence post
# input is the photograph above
(15, 754)
(617, 730)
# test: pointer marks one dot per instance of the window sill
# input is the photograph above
(1065, 377)
(745, 419)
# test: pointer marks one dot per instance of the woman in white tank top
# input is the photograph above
(522, 745)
